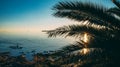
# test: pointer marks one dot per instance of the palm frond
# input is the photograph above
(116, 3)
(70, 48)
(81, 17)
(85, 11)
(115, 11)
(77, 30)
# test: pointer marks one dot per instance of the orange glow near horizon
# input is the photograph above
(20, 30)
(34, 29)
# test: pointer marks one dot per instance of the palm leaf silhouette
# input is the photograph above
(103, 26)
(85, 11)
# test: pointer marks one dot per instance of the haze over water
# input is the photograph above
(39, 44)
(21, 22)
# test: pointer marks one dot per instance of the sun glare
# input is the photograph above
(85, 50)
(85, 38)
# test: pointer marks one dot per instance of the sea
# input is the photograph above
(30, 44)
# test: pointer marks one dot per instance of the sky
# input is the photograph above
(33, 16)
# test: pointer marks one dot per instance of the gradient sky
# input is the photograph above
(32, 16)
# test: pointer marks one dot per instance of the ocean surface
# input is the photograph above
(37, 44)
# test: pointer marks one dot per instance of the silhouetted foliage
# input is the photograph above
(100, 23)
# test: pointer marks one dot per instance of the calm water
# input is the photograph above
(30, 43)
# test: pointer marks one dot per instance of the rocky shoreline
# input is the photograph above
(57, 59)
(60, 58)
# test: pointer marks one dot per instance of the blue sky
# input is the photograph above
(32, 16)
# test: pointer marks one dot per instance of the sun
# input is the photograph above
(85, 51)
(85, 38)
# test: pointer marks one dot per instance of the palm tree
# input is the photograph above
(97, 23)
